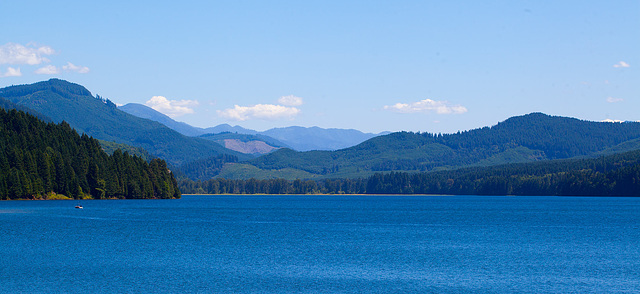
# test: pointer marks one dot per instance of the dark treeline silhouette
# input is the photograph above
(38, 158)
(613, 175)
(273, 186)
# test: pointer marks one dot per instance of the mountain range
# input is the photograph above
(534, 137)
(296, 138)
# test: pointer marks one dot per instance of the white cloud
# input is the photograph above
(11, 72)
(621, 64)
(614, 100)
(48, 70)
(290, 100)
(260, 111)
(12, 53)
(172, 108)
(427, 105)
(72, 67)
(612, 120)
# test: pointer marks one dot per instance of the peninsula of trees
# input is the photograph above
(41, 160)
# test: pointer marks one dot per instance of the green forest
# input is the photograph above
(528, 138)
(44, 160)
(613, 175)
(41, 160)
(42, 156)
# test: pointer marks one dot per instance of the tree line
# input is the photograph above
(273, 186)
(38, 159)
(613, 175)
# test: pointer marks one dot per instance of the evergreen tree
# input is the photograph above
(38, 158)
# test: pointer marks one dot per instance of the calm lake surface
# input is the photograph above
(322, 244)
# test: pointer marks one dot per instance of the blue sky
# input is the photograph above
(429, 66)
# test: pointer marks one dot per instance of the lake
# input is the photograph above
(322, 244)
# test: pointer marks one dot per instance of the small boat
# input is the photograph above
(79, 206)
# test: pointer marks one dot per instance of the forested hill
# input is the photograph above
(101, 119)
(41, 160)
(556, 136)
(526, 138)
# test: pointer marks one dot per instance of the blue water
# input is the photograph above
(322, 244)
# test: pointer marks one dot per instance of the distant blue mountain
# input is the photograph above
(298, 138)
(315, 138)
(143, 111)
(231, 129)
